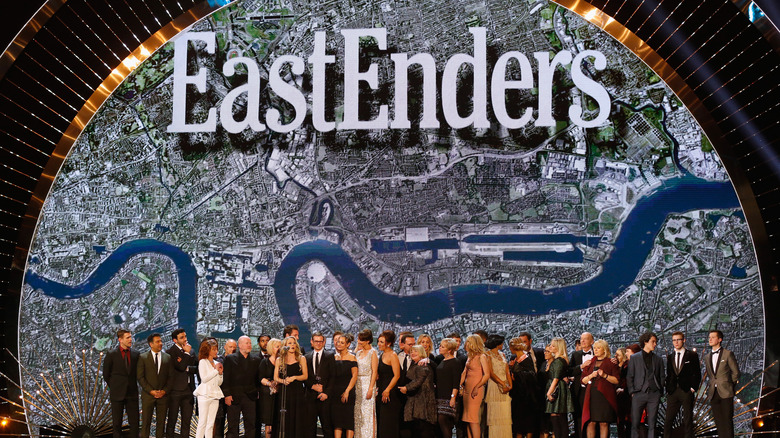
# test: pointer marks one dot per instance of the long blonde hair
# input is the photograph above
(474, 346)
(296, 347)
(560, 346)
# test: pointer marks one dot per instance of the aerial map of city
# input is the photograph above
(552, 227)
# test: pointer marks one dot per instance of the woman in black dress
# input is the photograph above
(447, 382)
(268, 407)
(388, 403)
(525, 403)
(289, 373)
(344, 379)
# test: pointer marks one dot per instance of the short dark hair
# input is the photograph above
(366, 335)
(121, 332)
(678, 333)
(337, 333)
(525, 334)
(482, 334)
(175, 334)
(150, 338)
(389, 336)
(645, 338)
(403, 335)
(288, 329)
(454, 335)
(718, 332)
(317, 334)
(577, 342)
(262, 336)
(634, 348)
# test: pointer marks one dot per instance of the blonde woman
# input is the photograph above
(601, 377)
(268, 385)
(472, 382)
(559, 401)
(344, 379)
(427, 344)
(289, 374)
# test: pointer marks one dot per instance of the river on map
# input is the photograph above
(633, 244)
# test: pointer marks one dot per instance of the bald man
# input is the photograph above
(240, 387)
(579, 360)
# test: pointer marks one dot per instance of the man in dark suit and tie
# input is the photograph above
(319, 386)
(683, 376)
(239, 385)
(185, 366)
(120, 373)
(229, 348)
(405, 360)
(645, 380)
(579, 360)
(154, 370)
(722, 375)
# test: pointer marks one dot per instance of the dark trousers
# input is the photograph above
(422, 429)
(641, 401)
(157, 406)
(179, 401)
(579, 402)
(241, 405)
(318, 409)
(723, 413)
(674, 402)
(130, 404)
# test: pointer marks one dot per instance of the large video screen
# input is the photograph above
(423, 166)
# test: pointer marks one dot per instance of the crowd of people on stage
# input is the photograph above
(490, 387)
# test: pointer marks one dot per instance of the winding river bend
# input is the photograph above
(631, 249)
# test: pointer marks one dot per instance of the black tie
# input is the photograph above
(679, 365)
(317, 364)
(406, 362)
(156, 364)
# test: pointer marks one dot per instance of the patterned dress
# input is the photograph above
(365, 420)
(499, 406)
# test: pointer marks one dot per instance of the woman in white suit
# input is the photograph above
(208, 392)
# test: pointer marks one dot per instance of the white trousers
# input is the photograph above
(207, 414)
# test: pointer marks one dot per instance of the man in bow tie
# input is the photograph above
(120, 373)
(683, 377)
(579, 360)
(722, 375)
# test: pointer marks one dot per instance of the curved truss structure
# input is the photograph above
(720, 58)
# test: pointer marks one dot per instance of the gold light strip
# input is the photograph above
(88, 110)
(27, 33)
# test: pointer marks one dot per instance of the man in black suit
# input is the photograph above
(645, 380)
(579, 360)
(185, 365)
(722, 375)
(120, 373)
(219, 423)
(319, 386)
(683, 377)
(406, 341)
(239, 385)
(262, 342)
(154, 370)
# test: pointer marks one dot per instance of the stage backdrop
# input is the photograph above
(469, 165)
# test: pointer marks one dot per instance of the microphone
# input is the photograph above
(285, 349)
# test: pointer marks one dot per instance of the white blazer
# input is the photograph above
(210, 379)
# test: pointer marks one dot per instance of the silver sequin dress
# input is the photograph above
(365, 418)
